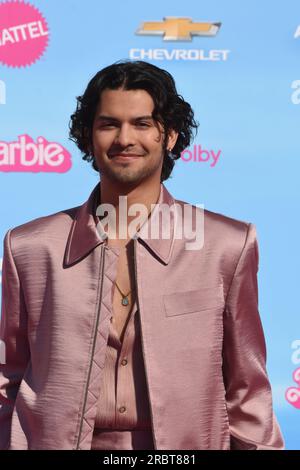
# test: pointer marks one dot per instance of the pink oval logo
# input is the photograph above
(26, 155)
(23, 34)
(292, 394)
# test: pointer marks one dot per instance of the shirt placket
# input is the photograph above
(123, 379)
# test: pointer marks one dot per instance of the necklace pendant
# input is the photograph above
(125, 301)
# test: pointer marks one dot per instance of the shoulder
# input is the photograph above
(37, 232)
(222, 231)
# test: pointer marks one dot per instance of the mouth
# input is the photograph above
(122, 156)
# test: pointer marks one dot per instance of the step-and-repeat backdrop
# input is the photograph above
(237, 63)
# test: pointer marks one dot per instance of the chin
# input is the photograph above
(123, 178)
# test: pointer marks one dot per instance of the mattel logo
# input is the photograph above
(2, 92)
(24, 34)
(27, 156)
(200, 155)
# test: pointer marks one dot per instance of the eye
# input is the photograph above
(106, 126)
(143, 124)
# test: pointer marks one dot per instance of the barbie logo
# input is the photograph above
(292, 394)
(27, 156)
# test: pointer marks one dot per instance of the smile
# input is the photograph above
(126, 157)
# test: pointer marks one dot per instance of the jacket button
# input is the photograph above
(124, 362)
(122, 409)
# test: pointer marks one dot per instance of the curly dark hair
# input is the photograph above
(170, 109)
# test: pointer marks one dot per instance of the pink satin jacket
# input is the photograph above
(203, 344)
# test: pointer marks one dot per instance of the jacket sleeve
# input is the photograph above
(14, 342)
(252, 422)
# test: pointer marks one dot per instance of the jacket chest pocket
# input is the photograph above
(185, 302)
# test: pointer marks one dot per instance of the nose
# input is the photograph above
(125, 135)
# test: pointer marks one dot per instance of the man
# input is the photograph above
(119, 340)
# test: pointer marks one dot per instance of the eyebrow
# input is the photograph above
(110, 118)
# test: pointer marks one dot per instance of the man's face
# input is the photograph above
(127, 142)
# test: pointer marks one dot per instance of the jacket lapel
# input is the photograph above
(84, 235)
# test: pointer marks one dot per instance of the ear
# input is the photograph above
(172, 139)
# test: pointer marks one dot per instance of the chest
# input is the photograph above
(124, 288)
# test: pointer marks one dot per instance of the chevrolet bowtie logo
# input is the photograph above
(178, 29)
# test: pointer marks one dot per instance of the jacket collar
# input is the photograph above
(84, 235)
